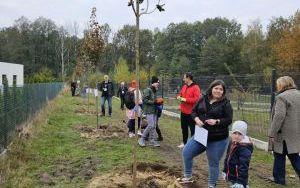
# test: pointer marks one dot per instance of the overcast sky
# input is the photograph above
(116, 13)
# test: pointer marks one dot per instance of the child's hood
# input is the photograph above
(246, 142)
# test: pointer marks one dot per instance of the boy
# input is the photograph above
(236, 164)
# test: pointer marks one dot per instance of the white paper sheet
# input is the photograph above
(201, 135)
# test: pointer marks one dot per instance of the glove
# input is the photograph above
(181, 99)
(237, 185)
(159, 101)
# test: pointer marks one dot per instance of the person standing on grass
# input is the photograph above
(73, 88)
(214, 113)
(237, 160)
(150, 109)
(107, 89)
(131, 112)
(121, 94)
(284, 134)
(188, 96)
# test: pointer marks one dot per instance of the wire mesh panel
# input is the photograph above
(250, 96)
(18, 104)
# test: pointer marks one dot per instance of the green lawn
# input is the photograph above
(56, 147)
(56, 144)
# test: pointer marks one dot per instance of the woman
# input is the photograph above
(285, 128)
(214, 113)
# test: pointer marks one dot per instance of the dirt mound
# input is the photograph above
(82, 169)
(148, 176)
(102, 131)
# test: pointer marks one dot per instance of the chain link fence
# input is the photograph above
(250, 96)
(19, 104)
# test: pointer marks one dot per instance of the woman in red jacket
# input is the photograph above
(189, 95)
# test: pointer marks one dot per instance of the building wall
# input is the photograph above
(10, 69)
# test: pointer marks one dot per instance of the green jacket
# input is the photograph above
(149, 96)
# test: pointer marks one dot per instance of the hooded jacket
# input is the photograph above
(236, 163)
(191, 93)
(221, 110)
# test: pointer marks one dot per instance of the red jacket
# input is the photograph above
(192, 93)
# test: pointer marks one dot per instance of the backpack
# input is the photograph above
(129, 100)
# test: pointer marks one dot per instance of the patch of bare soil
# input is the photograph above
(148, 176)
(84, 169)
(102, 131)
(85, 111)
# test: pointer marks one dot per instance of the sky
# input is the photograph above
(116, 12)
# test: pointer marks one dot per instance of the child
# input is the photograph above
(131, 113)
(239, 151)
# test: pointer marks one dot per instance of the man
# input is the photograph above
(121, 93)
(73, 88)
(188, 96)
(107, 89)
(150, 109)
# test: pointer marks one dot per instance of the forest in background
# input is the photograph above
(212, 46)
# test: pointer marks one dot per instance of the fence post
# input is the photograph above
(162, 86)
(15, 100)
(5, 102)
(273, 88)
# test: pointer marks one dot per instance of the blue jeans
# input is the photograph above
(103, 99)
(214, 153)
(279, 164)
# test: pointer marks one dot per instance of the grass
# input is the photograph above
(259, 122)
(261, 162)
(55, 143)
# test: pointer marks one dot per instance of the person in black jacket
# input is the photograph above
(213, 112)
(239, 151)
(121, 94)
(73, 88)
(107, 89)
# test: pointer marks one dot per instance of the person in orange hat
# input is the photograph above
(131, 112)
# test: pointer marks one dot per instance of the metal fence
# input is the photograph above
(19, 104)
(251, 96)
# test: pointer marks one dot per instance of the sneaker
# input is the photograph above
(141, 142)
(185, 180)
(139, 133)
(180, 146)
(131, 135)
(154, 143)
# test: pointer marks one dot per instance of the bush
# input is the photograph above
(45, 75)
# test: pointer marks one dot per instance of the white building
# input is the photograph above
(11, 70)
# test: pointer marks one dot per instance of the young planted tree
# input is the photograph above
(93, 43)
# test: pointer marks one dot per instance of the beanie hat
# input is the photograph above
(154, 79)
(240, 126)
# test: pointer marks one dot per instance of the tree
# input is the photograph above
(287, 49)
(122, 71)
(93, 44)
(254, 50)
